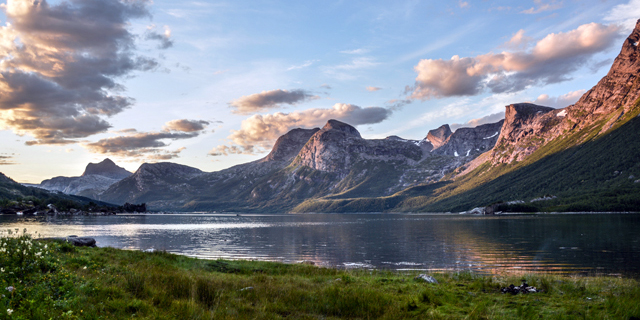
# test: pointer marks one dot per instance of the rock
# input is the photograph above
(438, 136)
(75, 240)
(427, 278)
(523, 288)
(467, 142)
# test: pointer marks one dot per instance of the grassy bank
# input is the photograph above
(49, 280)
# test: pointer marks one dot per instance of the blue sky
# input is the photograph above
(211, 84)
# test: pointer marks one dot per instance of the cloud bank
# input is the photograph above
(147, 144)
(60, 63)
(258, 133)
(267, 100)
(492, 118)
(551, 60)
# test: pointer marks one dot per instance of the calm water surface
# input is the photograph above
(577, 243)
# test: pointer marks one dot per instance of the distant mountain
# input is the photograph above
(333, 162)
(96, 178)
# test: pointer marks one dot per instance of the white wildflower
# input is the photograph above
(85, 268)
(9, 312)
(10, 288)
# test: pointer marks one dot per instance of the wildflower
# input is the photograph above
(85, 268)
(1, 269)
(9, 312)
(10, 288)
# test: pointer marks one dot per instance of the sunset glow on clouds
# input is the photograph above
(212, 84)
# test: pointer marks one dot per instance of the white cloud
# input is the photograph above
(625, 14)
(562, 101)
(551, 60)
(541, 6)
(269, 100)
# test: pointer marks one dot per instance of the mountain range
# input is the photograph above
(584, 157)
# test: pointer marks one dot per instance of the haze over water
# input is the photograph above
(577, 243)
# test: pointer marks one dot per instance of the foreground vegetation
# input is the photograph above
(52, 280)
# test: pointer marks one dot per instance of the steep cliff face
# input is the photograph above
(438, 137)
(106, 168)
(338, 146)
(289, 145)
(527, 127)
(471, 142)
(617, 92)
(523, 132)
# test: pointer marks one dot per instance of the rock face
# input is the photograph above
(289, 145)
(96, 178)
(471, 142)
(527, 127)
(106, 168)
(438, 137)
(333, 161)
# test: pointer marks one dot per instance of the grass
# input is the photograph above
(64, 282)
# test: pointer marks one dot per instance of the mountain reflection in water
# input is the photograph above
(577, 243)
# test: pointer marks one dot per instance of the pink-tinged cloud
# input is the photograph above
(60, 64)
(148, 145)
(185, 125)
(258, 133)
(267, 100)
(551, 60)
(542, 6)
(562, 101)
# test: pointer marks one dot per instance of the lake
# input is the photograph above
(553, 243)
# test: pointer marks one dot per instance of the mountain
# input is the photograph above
(332, 162)
(580, 158)
(97, 177)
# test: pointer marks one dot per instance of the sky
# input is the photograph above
(212, 84)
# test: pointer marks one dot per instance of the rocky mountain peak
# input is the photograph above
(289, 144)
(106, 168)
(341, 126)
(437, 137)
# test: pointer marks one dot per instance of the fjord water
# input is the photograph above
(567, 243)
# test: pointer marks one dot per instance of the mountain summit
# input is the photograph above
(106, 168)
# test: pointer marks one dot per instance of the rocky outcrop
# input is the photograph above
(438, 137)
(527, 127)
(338, 146)
(97, 178)
(289, 145)
(471, 142)
(106, 168)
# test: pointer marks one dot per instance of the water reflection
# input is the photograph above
(550, 243)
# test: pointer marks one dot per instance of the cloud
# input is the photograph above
(258, 133)
(185, 125)
(304, 65)
(164, 39)
(492, 118)
(6, 160)
(625, 14)
(518, 41)
(551, 60)
(463, 4)
(326, 86)
(397, 104)
(346, 71)
(373, 89)
(541, 6)
(562, 101)
(269, 100)
(355, 51)
(148, 144)
(137, 144)
(60, 64)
